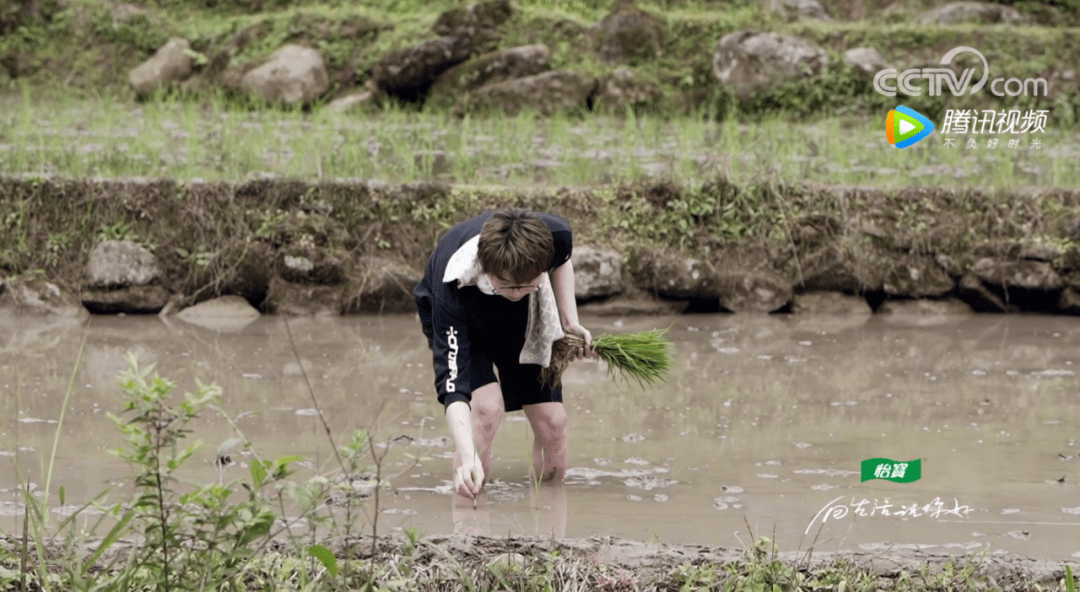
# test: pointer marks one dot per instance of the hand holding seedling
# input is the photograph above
(584, 350)
(644, 357)
(469, 477)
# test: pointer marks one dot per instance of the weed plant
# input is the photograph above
(172, 534)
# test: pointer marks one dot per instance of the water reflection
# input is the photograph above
(764, 420)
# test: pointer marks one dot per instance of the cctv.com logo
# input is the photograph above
(939, 78)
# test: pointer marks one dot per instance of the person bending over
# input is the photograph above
(496, 292)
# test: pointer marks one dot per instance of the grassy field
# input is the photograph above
(215, 140)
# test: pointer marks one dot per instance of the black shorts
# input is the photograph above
(499, 347)
(520, 383)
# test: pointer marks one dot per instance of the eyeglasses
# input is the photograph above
(525, 287)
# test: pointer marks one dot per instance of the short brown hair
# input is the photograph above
(515, 244)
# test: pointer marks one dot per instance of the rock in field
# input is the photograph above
(753, 291)
(597, 273)
(628, 35)
(794, 10)
(970, 12)
(547, 94)
(172, 62)
(407, 74)
(747, 62)
(867, 60)
(499, 66)
(128, 300)
(625, 87)
(38, 298)
(291, 75)
(120, 264)
(675, 277)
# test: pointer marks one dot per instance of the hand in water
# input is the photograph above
(469, 478)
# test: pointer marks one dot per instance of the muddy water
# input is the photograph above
(762, 426)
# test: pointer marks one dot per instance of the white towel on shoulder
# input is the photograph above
(544, 327)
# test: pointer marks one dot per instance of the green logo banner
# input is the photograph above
(892, 470)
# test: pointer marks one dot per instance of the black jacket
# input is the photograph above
(452, 317)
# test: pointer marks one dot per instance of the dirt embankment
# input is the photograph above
(303, 248)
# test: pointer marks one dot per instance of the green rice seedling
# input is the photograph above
(644, 357)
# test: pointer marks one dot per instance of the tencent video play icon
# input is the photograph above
(906, 126)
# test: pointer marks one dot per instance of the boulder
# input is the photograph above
(310, 265)
(866, 60)
(499, 66)
(120, 264)
(829, 269)
(291, 75)
(1021, 285)
(381, 286)
(748, 62)
(225, 313)
(635, 302)
(675, 277)
(1036, 251)
(625, 87)
(794, 10)
(221, 307)
(408, 74)
(547, 94)
(292, 299)
(1069, 302)
(970, 12)
(171, 63)
(918, 277)
(306, 229)
(1022, 275)
(597, 273)
(972, 291)
(753, 291)
(127, 300)
(39, 297)
(829, 303)
(628, 35)
(126, 13)
(485, 16)
(925, 307)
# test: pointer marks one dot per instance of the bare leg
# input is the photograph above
(550, 453)
(487, 413)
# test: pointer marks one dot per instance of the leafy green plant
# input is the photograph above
(118, 231)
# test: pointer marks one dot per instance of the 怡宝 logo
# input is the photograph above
(892, 470)
(904, 126)
(937, 78)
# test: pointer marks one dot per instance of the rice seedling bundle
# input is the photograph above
(644, 357)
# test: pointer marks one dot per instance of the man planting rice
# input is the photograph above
(496, 293)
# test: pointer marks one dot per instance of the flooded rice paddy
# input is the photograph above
(759, 431)
(212, 142)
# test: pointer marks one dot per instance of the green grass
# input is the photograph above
(217, 141)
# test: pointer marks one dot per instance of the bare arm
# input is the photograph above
(562, 283)
(470, 475)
